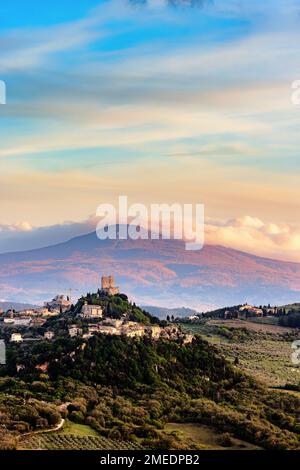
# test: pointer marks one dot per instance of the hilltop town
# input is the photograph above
(108, 365)
(285, 315)
(105, 312)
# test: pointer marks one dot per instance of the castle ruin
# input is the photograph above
(108, 285)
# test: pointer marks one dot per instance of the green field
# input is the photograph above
(206, 438)
(59, 441)
(74, 436)
(75, 429)
(264, 353)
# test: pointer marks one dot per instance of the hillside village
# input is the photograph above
(108, 312)
(93, 315)
(242, 312)
(107, 364)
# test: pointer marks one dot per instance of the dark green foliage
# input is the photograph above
(292, 320)
(126, 389)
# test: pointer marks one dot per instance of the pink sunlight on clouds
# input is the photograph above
(109, 104)
(249, 234)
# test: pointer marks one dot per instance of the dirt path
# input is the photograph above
(257, 327)
(43, 431)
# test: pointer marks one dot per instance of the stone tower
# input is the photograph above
(108, 285)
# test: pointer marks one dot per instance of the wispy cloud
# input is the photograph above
(199, 97)
(251, 234)
(245, 233)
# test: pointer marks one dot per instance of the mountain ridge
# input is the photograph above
(212, 277)
(92, 234)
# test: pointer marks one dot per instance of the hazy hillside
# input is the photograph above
(15, 305)
(148, 269)
(162, 312)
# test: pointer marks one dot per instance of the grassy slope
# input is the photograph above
(77, 429)
(206, 437)
(265, 356)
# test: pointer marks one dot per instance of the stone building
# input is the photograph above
(75, 331)
(108, 285)
(16, 338)
(91, 311)
(59, 303)
(49, 335)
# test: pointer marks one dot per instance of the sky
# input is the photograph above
(164, 102)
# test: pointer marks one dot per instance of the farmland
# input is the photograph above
(79, 430)
(74, 437)
(206, 438)
(110, 392)
(263, 351)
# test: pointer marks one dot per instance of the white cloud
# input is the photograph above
(23, 236)
(271, 240)
(17, 227)
(158, 93)
(246, 233)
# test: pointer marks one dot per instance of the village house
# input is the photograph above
(46, 312)
(37, 322)
(16, 338)
(116, 322)
(28, 312)
(49, 335)
(255, 311)
(154, 331)
(132, 329)
(59, 303)
(91, 311)
(22, 321)
(75, 331)
(193, 318)
(109, 330)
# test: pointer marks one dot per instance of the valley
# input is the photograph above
(101, 379)
(261, 350)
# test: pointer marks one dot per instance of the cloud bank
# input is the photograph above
(187, 104)
(247, 233)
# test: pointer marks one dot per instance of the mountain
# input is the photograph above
(146, 269)
(15, 306)
(131, 389)
(163, 312)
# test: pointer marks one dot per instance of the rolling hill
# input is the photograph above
(15, 305)
(149, 269)
(163, 312)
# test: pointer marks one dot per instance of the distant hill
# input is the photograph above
(150, 269)
(291, 307)
(128, 388)
(117, 306)
(15, 305)
(162, 312)
(292, 315)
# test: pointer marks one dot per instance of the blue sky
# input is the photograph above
(164, 104)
